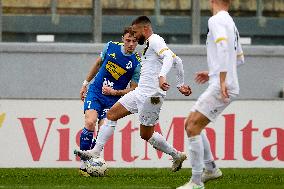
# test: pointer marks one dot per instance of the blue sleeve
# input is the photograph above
(103, 53)
(136, 75)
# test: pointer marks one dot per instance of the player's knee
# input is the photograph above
(90, 124)
(111, 115)
(192, 127)
(186, 123)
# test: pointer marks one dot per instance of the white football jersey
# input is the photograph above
(151, 64)
(222, 27)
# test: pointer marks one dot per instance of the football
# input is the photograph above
(96, 167)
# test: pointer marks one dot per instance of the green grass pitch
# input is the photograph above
(253, 178)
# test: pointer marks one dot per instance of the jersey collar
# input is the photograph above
(122, 51)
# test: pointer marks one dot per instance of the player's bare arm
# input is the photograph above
(110, 91)
(185, 90)
(223, 87)
(223, 54)
(94, 70)
(163, 83)
(201, 77)
(223, 60)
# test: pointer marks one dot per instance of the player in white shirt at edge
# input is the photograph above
(224, 54)
(147, 98)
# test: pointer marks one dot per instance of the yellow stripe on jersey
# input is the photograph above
(115, 70)
(221, 39)
(161, 51)
(138, 57)
(2, 118)
(174, 55)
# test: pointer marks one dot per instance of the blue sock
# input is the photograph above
(86, 139)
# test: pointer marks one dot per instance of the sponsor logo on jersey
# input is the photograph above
(115, 70)
(108, 83)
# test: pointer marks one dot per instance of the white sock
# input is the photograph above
(106, 131)
(208, 157)
(159, 142)
(196, 155)
(83, 165)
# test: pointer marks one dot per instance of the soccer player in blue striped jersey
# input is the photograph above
(117, 66)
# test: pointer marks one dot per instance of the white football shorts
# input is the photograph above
(210, 103)
(147, 107)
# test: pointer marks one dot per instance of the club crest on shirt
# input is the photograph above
(129, 65)
(115, 70)
(112, 55)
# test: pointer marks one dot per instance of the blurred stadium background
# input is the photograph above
(48, 46)
(75, 20)
(77, 30)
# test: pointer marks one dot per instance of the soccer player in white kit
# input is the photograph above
(148, 97)
(224, 54)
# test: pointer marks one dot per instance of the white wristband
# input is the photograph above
(85, 83)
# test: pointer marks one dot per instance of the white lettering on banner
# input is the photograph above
(241, 137)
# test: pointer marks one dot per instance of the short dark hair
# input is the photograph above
(141, 20)
(127, 30)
